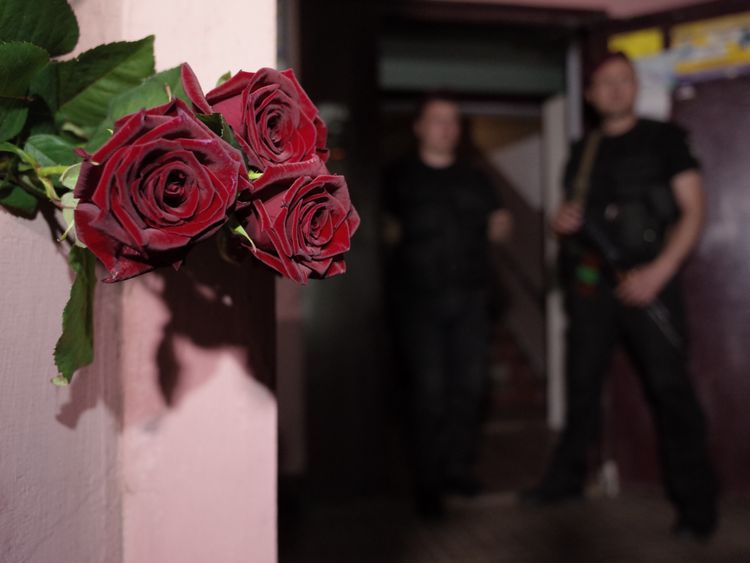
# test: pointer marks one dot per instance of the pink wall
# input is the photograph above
(198, 445)
(165, 449)
(59, 495)
(231, 35)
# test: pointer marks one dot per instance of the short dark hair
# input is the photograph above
(597, 64)
(430, 97)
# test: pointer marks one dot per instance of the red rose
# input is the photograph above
(163, 182)
(301, 225)
(273, 118)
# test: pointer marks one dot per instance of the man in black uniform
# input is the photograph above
(635, 182)
(441, 215)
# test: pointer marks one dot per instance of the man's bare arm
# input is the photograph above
(499, 226)
(642, 285)
(688, 190)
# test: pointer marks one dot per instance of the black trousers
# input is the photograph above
(444, 342)
(597, 321)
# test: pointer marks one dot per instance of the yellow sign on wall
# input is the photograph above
(638, 44)
(712, 45)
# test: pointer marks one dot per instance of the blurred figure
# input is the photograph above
(442, 214)
(633, 214)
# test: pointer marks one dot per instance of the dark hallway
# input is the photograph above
(352, 499)
(491, 530)
(633, 526)
(494, 528)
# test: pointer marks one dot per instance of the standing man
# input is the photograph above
(442, 215)
(634, 213)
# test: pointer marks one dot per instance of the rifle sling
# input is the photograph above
(582, 181)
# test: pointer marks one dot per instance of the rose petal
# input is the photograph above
(288, 267)
(163, 182)
(193, 89)
(230, 88)
(247, 98)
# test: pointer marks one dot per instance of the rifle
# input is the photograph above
(656, 310)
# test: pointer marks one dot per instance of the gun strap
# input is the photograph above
(582, 181)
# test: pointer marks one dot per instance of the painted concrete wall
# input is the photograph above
(198, 445)
(521, 163)
(59, 493)
(556, 133)
(165, 449)
(213, 37)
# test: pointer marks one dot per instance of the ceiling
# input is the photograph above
(614, 8)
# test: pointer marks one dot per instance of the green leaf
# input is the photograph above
(69, 203)
(28, 184)
(42, 127)
(219, 125)
(13, 116)
(49, 188)
(51, 24)
(75, 348)
(51, 150)
(45, 85)
(69, 178)
(31, 163)
(73, 130)
(152, 92)
(238, 230)
(224, 77)
(19, 63)
(213, 121)
(79, 91)
(98, 138)
(19, 152)
(18, 201)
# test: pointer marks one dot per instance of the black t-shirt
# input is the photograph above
(630, 184)
(443, 214)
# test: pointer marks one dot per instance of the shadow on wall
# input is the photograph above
(198, 307)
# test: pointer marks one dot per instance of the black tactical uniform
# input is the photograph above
(438, 281)
(630, 198)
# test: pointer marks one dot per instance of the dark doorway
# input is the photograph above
(365, 64)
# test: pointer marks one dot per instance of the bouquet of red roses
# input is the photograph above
(249, 157)
(144, 166)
